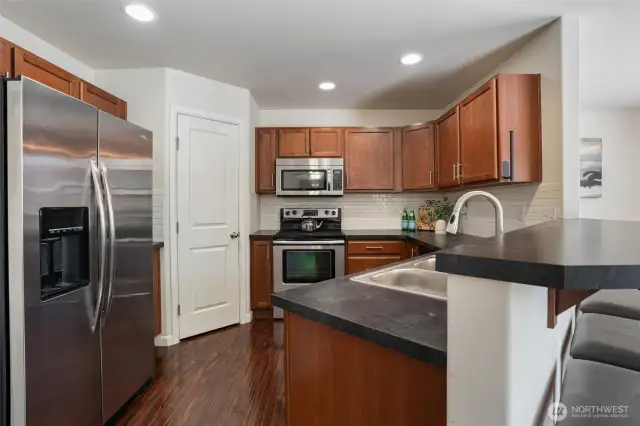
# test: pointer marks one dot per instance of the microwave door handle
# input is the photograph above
(102, 236)
(112, 241)
(329, 178)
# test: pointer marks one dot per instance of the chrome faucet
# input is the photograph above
(454, 221)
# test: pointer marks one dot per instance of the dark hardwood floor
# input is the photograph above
(228, 377)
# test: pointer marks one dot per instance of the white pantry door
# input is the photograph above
(207, 216)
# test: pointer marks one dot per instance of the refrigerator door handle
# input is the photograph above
(112, 242)
(102, 242)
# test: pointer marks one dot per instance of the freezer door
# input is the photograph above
(53, 258)
(125, 151)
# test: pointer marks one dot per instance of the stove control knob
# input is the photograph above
(333, 212)
(326, 212)
(287, 213)
(295, 212)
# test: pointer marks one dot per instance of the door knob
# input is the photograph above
(235, 235)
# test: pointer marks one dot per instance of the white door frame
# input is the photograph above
(170, 289)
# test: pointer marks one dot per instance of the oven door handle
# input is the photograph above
(308, 243)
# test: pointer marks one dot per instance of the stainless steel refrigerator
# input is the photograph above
(79, 242)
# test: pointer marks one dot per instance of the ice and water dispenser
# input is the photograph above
(64, 250)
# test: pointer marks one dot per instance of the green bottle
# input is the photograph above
(412, 221)
(405, 220)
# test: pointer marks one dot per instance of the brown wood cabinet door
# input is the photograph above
(448, 148)
(5, 57)
(369, 159)
(265, 161)
(479, 135)
(418, 157)
(103, 100)
(32, 66)
(293, 142)
(326, 142)
(519, 125)
(261, 275)
(362, 263)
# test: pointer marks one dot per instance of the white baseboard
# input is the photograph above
(246, 318)
(165, 340)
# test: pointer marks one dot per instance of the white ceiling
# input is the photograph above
(280, 50)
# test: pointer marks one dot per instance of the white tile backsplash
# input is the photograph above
(157, 214)
(359, 211)
(523, 205)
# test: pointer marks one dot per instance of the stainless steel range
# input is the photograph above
(308, 249)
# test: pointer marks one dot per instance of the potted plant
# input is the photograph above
(440, 213)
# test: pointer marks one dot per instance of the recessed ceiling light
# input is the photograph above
(140, 12)
(327, 85)
(411, 58)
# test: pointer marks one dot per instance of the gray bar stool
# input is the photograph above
(617, 303)
(591, 384)
(607, 339)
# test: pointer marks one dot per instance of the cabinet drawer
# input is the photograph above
(363, 263)
(376, 247)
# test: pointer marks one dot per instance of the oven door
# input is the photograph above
(299, 263)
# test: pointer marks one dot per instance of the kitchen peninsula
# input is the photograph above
(485, 356)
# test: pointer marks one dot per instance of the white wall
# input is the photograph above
(530, 204)
(23, 38)
(619, 129)
(501, 357)
(345, 117)
(254, 199)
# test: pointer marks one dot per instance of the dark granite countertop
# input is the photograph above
(263, 235)
(571, 254)
(157, 245)
(404, 322)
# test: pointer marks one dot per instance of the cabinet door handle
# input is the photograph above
(454, 172)
(412, 252)
(273, 180)
(430, 177)
(373, 247)
(459, 171)
(267, 253)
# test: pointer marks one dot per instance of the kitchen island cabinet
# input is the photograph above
(334, 378)
(492, 332)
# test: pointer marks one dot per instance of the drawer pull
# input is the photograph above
(374, 247)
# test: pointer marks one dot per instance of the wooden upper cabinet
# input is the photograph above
(5, 57)
(519, 128)
(479, 135)
(293, 142)
(448, 148)
(261, 275)
(369, 159)
(32, 66)
(265, 161)
(102, 100)
(326, 142)
(418, 157)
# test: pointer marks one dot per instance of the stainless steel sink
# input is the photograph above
(428, 264)
(412, 277)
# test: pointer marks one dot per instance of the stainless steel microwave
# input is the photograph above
(309, 177)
